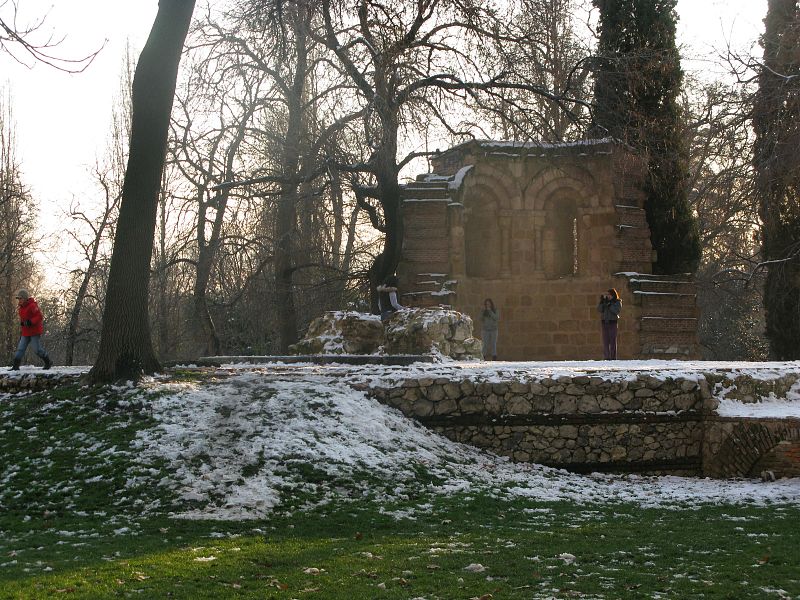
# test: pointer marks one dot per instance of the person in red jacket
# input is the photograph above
(32, 323)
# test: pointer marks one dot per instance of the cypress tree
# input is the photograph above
(776, 160)
(637, 82)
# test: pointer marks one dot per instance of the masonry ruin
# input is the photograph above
(543, 230)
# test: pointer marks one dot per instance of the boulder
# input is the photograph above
(444, 332)
(338, 332)
(432, 331)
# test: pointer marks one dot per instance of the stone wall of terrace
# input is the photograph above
(582, 423)
(591, 423)
(37, 381)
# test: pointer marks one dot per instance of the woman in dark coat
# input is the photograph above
(489, 319)
(609, 308)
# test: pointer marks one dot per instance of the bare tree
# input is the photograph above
(549, 50)
(412, 64)
(295, 137)
(24, 40)
(205, 162)
(720, 191)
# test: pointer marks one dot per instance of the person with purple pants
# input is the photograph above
(609, 308)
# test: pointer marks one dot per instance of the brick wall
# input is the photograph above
(549, 320)
(745, 447)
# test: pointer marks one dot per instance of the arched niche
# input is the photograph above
(482, 237)
(562, 238)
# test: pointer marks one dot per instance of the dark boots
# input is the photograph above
(47, 363)
(17, 363)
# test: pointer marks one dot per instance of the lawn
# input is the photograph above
(87, 513)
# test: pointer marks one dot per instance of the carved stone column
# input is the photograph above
(455, 230)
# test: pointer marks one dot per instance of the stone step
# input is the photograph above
(428, 185)
(424, 299)
(411, 272)
(631, 231)
(630, 265)
(652, 283)
(657, 303)
(433, 284)
(631, 216)
(422, 192)
(670, 312)
(668, 325)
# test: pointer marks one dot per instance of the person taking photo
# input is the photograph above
(609, 308)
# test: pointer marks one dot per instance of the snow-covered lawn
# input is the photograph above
(321, 490)
(238, 445)
(241, 445)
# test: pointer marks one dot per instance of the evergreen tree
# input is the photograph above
(637, 83)
(776, 159)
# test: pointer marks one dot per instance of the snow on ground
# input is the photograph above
(497, 371)
(239, 444)
(767, 407)
(36, 370)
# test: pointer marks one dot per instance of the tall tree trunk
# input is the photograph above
(286, 218)
(163, 302)
(126, 350)
(204, 332)
(386, 171)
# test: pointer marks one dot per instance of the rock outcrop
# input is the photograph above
(432, 330)
(338, 332)
(413, 331)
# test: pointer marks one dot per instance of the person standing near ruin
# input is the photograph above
(32, 324)
(387, 298)
(609, 308)
(489, 320)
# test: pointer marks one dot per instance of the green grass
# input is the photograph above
(79, 517)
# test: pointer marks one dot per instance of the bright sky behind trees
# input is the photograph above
(63, 120)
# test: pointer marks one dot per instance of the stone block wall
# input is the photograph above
(34, 382)
(591, 423)
(581, 423)
(551, 320)
(748, 389)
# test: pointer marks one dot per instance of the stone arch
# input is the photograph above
(742, 451)
(550, 181)
(492, 181)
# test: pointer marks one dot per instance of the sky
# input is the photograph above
(63, 120)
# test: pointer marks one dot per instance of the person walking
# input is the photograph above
(609, 308)
(32, 324)
(387, 298)
(489, 319)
